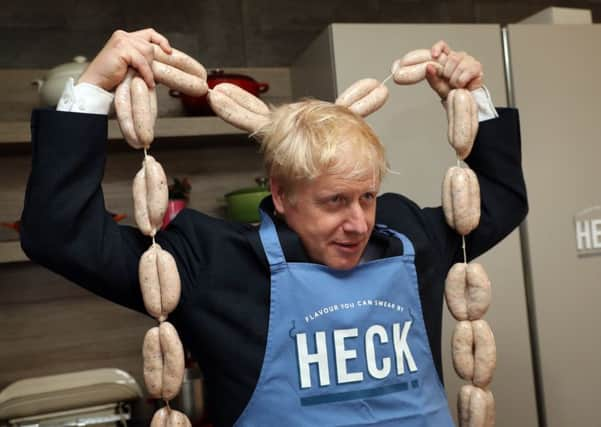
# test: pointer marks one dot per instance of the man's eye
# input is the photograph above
(369, 196)
(335, 199)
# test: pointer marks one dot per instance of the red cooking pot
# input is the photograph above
(199, 106)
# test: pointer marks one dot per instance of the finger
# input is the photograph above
(454, 59)
(143, 67)
(144, 47)
(475, 82)
(457, 73)
(153, 36)
(434, 71)
(443, 58)
(440, 47)
(439, 85)
(471, 74)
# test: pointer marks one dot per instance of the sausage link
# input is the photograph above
(450, 117)
(370, 103)
(474, 117)
(491, 411)
(149, 281)
(160, 417)
(235, 114)
(176, 79)
(373, 101)
(141, 204)
(485, 354)
(411, 74)
(416, 56)
(477, 410)
(364, 97)
(356, 91)
(460, 192)
(154, 108)
(180, 60)
(454, 291)
(169, 282)
(140, 104)
(463, 405)
(474, 188)
(462, 347)
(471, 406)
(178, 419)
(153, 363)
(461, 199)
(478, 291)
(157, 192)
(243, 98)
(462, 130)
(123, 109)
(173, 359)
(447, 197)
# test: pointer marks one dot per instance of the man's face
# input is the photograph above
(333, 215)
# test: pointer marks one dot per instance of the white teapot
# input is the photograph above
(52, 85)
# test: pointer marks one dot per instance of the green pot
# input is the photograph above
(243, 204)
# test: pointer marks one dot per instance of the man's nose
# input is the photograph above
(356, 221)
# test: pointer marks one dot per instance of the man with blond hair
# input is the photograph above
(329, 313)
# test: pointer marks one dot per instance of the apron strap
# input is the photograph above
(408, 249)
(270, 240)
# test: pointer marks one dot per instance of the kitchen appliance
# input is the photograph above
(52, 85)
(199, 106)
(91, 397)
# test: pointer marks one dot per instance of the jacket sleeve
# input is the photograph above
(64, 224)
(496, 159)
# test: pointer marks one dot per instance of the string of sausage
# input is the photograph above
(136, 108)
(467, 287)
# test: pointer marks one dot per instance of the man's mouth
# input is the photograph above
(348, 247)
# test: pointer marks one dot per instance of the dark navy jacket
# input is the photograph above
(223, 313)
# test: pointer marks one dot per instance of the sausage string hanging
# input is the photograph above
(467, 287)
(136, 108)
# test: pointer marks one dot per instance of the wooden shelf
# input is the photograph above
(11, 252)
(167, 127)
(174, 127)
(20, 98)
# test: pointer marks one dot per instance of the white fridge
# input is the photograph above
(555, 80)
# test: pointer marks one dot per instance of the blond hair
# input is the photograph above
(308, 138)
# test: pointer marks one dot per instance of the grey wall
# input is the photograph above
(226, 33)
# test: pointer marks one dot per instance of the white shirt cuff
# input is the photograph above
(85, 98)
(486, 108)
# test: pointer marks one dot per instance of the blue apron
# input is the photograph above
(345, 348)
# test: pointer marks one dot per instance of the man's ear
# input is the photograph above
(277, 194)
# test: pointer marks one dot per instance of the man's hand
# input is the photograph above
(460, 70)
(124, 50)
